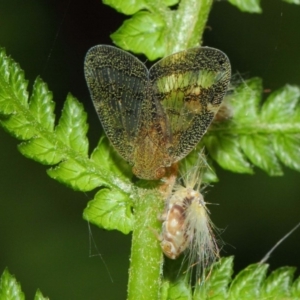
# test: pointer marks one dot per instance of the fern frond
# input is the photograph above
(156, 30)
(10, 289)
(259, 134)
(65, 146)
(250, 283)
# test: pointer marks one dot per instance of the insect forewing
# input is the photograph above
(190, 86)
(117, 83)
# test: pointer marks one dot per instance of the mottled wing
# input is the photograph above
(190, 85)
(116, 80)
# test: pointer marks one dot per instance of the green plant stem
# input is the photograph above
(146, 256)
(188, 25)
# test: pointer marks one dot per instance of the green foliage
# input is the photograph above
(132, 6)
(141, 31)
(293, 1)
(110, 210)
(179, 290)
(250, 283)
(278, 284)
(65, 146)
(156, 30)
(261, 133)
(10, 289)
(247, 283)
(258, 134)
(188, 163)
(218, 281)
(39, 296)
(253, 6)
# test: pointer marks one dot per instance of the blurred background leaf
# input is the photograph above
(44, 240)
(250, 6)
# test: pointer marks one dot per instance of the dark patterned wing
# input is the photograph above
(190, 85)
(117, 81)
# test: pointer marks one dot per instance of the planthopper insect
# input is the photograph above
(155, 117)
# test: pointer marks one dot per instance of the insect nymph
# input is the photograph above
(187, 228)
(155, 117)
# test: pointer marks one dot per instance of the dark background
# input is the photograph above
(44, 240)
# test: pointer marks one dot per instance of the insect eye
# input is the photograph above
(159, 173)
